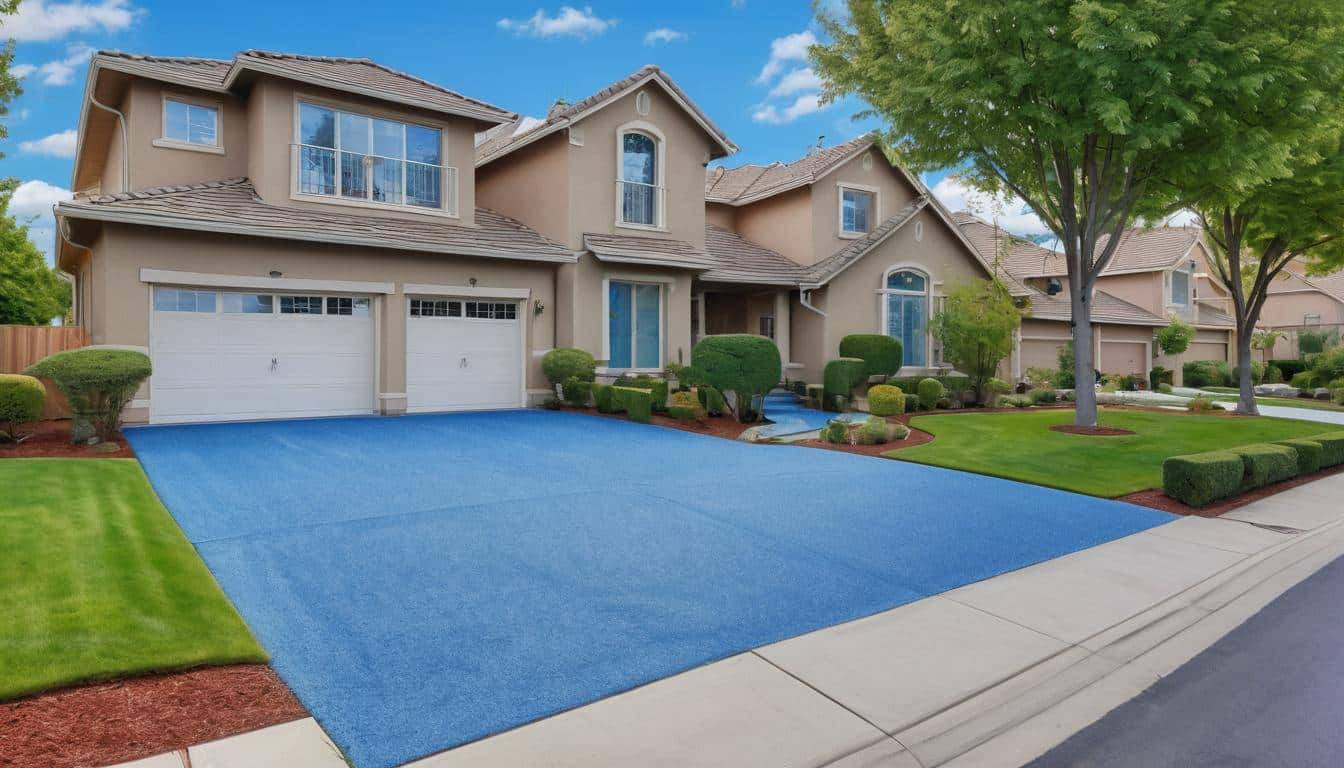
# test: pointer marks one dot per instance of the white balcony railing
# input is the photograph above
(373, 179)
(639, 204)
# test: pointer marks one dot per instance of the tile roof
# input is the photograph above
(1141, 249)
(355, 75)
(1331, 284)
(1105, 309)
(747, 183)
(232, 206)
(504, 139)
(654, 251)
(1209, 315)
(739, 260)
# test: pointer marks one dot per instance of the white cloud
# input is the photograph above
(1182, 219)
(57, 144)
(796, 81)
(38, 20)
(1008, 211)
(35, 198)
(567, 22)
(783, 50)
(663, 35)
(806, 104)
(60, 71)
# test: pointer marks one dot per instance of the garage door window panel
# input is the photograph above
(300, 305)
(183, 300)
(435, 308)
(347, 306)
(248, 303)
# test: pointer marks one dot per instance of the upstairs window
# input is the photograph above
(640, 194)
(1180, 288)
(361, 158)
(856, 211)
(190, 123)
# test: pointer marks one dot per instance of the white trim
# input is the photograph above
(195, 101)
(885, 293)
(876, 214)
(649, 262)
(425, 289)
(356, 203)
(648, 130)
(173, 277)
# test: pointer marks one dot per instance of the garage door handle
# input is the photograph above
(274, 363)
(463, 363)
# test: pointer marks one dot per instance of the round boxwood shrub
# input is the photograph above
(930, 392)
(561, 364)
(886, 400)
(840, 377)
(742, 364)
(881, 355)
(576, 391)
(98, 383)
(21, 401)
(835, 431)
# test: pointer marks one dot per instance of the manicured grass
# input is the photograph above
(1020, 446)
(1227, 394)
(98, 582)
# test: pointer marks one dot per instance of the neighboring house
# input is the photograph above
(1300, 302)
(840, 241)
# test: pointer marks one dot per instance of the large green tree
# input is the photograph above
(31, 292)
(1079, 108)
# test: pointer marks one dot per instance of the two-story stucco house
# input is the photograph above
(1298, 301)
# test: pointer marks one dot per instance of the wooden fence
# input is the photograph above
(23, 345)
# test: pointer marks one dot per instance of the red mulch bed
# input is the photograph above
(51, 438)
(1155, 498)
(1098, 431)
(125, 720)
(916, 437)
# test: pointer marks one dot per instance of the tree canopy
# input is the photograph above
(31, 293)
(1084, 110)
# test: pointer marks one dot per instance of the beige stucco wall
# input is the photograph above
(120, 312)
(531, 185)
(720, 214)
(893, 193)
(153, 166)
(1289, 309)
(1141, 288)
(782, 223)
(807, 335)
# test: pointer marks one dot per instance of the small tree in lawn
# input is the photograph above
(976, 327)
(1080, 109)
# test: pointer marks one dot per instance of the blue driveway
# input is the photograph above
(425, 581)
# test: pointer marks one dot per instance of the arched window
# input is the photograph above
(639, 179)
(907, 305)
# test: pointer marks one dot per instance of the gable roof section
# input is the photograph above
(352, 75)
(750, 183)
(739, 260)
(1209, 316)
(1105, 309)
(649, 251)
(500, 141)
(232, 206)
(1141, 250)
(1331, 285)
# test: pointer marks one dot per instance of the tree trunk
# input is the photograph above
(1084, 365)
(1246, 401)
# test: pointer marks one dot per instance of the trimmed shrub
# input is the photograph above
(98, 383)
(881, 355)
(840, 377)
(1337, 395)
(1257, 372)
(636, 402)
(1202, 478)
(873, 431)
(1289, 367)
(604, 398)
(576, 391)
(1332, 448)
(885, 400)
(835, 431)
(930, 390)
(21, 401)
(686, 407)
(1273, 375)
(1015, 401)
(743, 364)
(1205, 373)
(1266, 463)
(1043, 396)
(713, 401)
(1308, 454)
(1066, 360)
(1165, 388)
(1159, 376)
(657, 388)
(1303, 380)
(560, 365)
(1202, 404)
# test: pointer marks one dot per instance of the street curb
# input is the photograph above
(1020, 718)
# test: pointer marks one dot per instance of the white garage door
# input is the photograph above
(224, 355)
(463, 355)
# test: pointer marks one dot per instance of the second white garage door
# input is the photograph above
(463, 355)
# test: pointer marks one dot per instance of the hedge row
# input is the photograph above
(1203, 478)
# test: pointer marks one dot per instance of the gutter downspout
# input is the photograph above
(63, 232)
(125, 143)
(803, 291)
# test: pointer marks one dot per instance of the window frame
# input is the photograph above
(448, 182)
(216, 301)
(164, 142)
(664, 286)
(1171, 287)
(874, 214)
(885, 294)
(650, 131)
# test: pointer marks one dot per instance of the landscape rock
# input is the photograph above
(1277, 390)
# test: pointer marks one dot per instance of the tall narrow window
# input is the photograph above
(1180, 288)
(639, 179)
(634, 325)
(856, 210)
(908, 315)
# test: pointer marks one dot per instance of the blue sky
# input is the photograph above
(741, 60)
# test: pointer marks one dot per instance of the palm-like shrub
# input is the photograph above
(98, 383)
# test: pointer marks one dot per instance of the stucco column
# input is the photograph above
(391, 357)
(782, 326)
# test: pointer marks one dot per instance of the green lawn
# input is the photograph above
(1020, 445)
(97, 581)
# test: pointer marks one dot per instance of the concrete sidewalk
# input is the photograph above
(990, 674)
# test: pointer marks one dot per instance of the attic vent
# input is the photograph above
(642, 103)
(868, 162)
